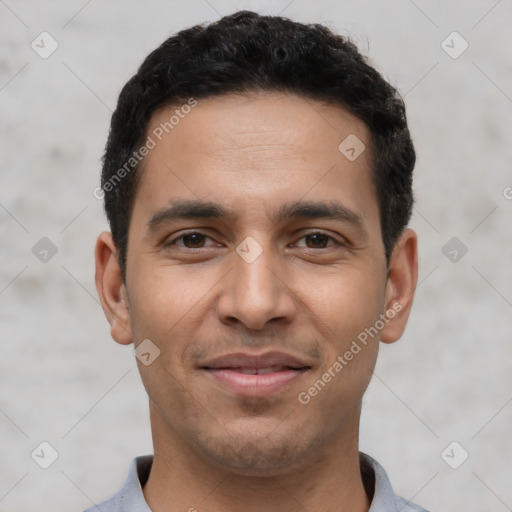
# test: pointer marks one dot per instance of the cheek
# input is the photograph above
(345, 302)
(349, 305)
(164, 310)
(350, 310)
(165, 299)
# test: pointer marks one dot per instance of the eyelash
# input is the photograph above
(188, 233)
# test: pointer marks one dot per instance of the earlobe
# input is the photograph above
(111, 289)
(401, 284)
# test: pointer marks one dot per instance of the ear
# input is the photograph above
(111, 289)
(400, 287)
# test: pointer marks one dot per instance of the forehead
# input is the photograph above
(257, 151)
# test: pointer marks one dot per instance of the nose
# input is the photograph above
(256, 293)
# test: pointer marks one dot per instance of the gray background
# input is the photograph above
(64, 381)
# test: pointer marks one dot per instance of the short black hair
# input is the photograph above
(246, 52)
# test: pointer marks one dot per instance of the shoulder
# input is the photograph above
(118, 503)
(130, 497)
(407, 506)
(377, 483)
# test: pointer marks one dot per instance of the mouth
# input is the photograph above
(259, 371)
(256, 375)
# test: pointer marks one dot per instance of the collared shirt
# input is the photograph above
(130, 497)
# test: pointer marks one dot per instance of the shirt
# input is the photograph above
(131, 499)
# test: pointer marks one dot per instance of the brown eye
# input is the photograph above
(190, 240)
(319, 240)
(193, 240)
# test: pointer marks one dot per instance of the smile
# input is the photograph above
(256, 375)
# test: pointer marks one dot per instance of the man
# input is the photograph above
(257, 181)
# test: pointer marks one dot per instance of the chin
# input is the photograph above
(251, 455)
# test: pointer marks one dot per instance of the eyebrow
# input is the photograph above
(181, 209)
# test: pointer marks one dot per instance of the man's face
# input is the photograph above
(249, 310)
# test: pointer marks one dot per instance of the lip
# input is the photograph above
(264, 360)
(239, 372)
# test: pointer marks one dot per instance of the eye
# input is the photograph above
(319, 240)
(196, 240)
(191, 240)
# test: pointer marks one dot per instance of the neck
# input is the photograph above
(181, 479)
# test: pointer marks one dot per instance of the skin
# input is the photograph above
(196, 298)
